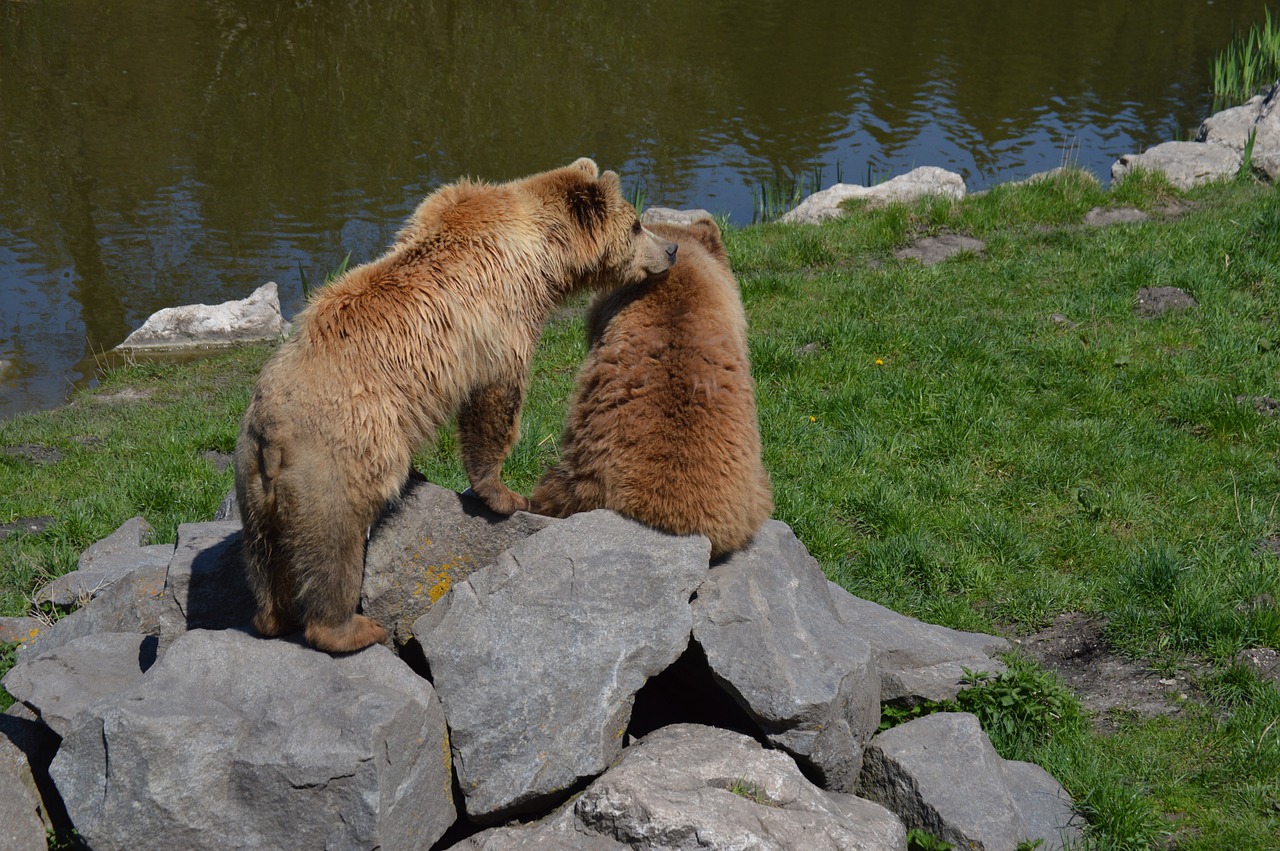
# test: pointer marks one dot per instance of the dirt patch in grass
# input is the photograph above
(1111, 687)
(34, 452)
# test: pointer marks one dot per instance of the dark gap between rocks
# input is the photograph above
(687, 693)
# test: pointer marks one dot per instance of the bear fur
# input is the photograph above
(444, 322)
(663, 425)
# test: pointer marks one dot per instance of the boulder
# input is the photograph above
(918, 183)
(257, 317)
(693, 787)
(773, 640)
(104, 562)
(231, 741)
(24, 819)
(1185, 164)
(656, 215)
(1259, 116)
(940, 773)
(65, 681)
(138, 603)
(538, 657)
(428, 541)
(206, 577)
(917, 661)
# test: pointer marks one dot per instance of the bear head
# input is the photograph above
(613, 248)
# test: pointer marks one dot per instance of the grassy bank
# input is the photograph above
(987, 443)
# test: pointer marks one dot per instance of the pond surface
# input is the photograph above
(165, 152)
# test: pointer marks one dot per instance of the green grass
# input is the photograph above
(939, 444)
(1249, 63)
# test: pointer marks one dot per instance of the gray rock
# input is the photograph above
(429, 541)
(104, 562)
(1103, 216)
(1185, 164)
(655, 215)
(538, 657)
(207, 578)
(935, 249)
(941, 774)
(692, 787)
(257, 317)
(1231, 128)
(918, 183)
(228, 509)
(20, 630)
(137, 603)
(774, 641)
(230, 741)
(67, 680)
(1157, 301)
(80, 586)
(917, 661)
(23, 817)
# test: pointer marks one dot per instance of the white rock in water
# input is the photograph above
(257, 317)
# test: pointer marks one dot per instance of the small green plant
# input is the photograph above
(333, 275)
(1246, 161)
(1019, 709)
(1250, 62)
(752, 791)
(919, 839)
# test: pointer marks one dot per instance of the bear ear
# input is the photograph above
(587, 166)
(708, 233)
(588, 203)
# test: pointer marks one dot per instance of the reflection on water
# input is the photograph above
(163, 152)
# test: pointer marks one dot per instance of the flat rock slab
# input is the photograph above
(67, 680)
(940, 773)
(538, 657)
(257, 317)
(773, 639)
(935, 249)
(1185, 164)
(429, 541)
(693, 787)
(320, 752)
(917, 661)
(1103, 216)
(1154, 302)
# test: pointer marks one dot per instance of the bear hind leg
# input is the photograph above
(326, 548)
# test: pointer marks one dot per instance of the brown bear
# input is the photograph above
(444, 322)
(663, 424)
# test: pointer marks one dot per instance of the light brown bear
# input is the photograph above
(445, 322)
(663, 424)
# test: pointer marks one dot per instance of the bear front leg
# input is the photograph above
(488, 426)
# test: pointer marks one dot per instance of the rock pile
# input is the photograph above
(579, 683)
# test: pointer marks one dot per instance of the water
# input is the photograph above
(164, 152)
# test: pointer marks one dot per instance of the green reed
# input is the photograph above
(1249, 63)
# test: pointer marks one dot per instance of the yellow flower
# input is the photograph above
(879, 362)
(813, 419)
